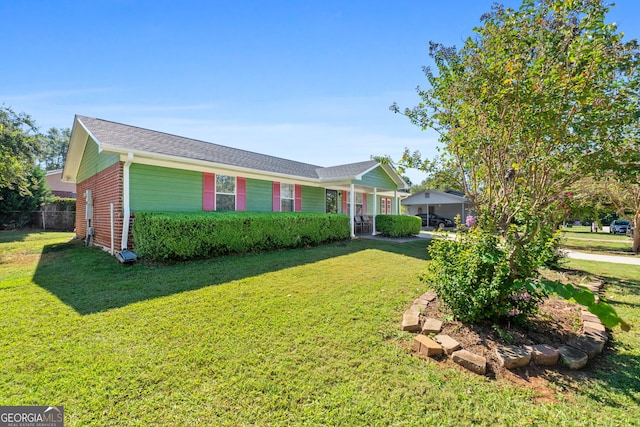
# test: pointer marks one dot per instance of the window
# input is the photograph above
(287, 197)
(359, 204)
(332, 201)
(225, 193)
(385, 206)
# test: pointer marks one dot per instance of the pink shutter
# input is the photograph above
(208, 192)
(276, 197)
(241, 194)
(298, 198)
(364, 203)
(344, 202)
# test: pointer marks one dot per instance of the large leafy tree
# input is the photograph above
(525, 103)
(55, 145)
(521, 110)
(19, 147)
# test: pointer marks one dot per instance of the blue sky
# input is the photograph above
(305, 80)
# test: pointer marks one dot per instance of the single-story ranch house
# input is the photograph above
(120, 169)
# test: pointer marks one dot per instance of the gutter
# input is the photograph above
(126, 206)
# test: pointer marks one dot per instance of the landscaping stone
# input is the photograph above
(429, 296)
(593, 287)
(598, 336)
(590, 317)
(425, 345)
(587, 344)
(513, 356)
(573, 358)
(420, 303)
(411, 320)
(471, 361)
(431, 326)
(544, 354)
(448, 344)
(593, 327)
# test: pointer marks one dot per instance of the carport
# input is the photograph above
(447, 204)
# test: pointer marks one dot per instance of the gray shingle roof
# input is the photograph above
(343, 171)
(125, 137)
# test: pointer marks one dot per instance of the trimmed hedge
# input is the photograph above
(182, 236)
(398, 225)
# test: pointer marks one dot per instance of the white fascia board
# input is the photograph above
(77, 143)
(175, 162)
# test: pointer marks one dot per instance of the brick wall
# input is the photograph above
(106, 187)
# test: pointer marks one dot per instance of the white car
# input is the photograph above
(619, 226)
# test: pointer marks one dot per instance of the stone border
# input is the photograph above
(573, 355)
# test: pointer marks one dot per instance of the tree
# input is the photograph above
(522, 103)
(522, 108)
(17, 205)
(55, 145)
(19, 146)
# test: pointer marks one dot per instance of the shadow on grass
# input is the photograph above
(90, 280)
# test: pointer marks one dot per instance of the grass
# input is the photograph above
(581, 238)
(301, 337)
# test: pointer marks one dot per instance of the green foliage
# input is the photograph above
(398, 225)
(16, 205)
(19, 146)
(605, 312)
(181, 236)
(474, 275)
(65, 204)
(55, 145)
(522, 110)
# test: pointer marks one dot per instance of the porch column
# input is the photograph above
(352, 209)
(375, 210)
(395, 202)
(462, 218)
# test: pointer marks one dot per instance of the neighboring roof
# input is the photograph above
(125, 139)
(53, 178)
(430, 197)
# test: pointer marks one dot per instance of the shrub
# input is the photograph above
(182, 236)
(474, 276)
(398, 225)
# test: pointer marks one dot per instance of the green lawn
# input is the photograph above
(581, 238)
(299, 337)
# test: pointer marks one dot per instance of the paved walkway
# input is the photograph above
(616, 259)
(632, 260)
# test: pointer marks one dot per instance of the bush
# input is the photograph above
(398, 225)
(182, 236)
(478, 277)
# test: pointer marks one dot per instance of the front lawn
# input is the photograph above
(582, 239)
(299, 337)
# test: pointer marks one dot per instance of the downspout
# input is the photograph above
(126, 207)
(395, 203)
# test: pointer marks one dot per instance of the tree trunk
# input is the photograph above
(635, 247)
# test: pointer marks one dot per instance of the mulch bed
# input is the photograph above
(558, 322)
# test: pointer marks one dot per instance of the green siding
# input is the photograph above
(313, 199)
(153, 188)
(378, 178)
(94, 162)
(370, 204)
(260, 195)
